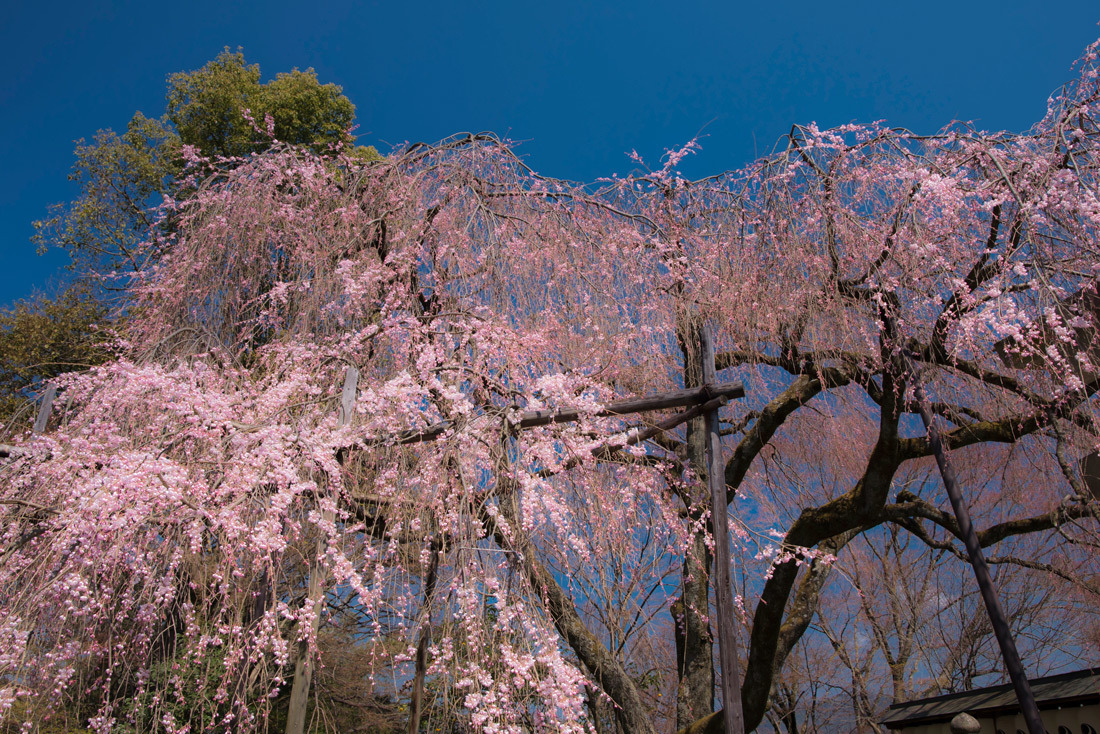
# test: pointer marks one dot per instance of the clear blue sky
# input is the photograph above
(581, 83)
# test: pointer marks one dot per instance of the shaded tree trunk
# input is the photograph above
(631, 714)
(417, 701)
(694, 648)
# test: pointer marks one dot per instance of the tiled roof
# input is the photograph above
(1082, 686)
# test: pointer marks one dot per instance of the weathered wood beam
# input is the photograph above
(659, 401)
(44, 411)
(536, 418)
(732, 715)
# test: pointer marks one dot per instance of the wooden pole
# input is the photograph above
(732, 715)
(996, 612)
(44, 410)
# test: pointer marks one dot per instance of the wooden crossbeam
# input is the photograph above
(659, 401)
(534, 418)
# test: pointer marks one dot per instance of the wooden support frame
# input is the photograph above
(700, 401)
(732, 714)
(45, 410)
(533, 418)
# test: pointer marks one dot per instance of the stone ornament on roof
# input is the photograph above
(964, 723)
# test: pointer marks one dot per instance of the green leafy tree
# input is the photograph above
(121, 177)
(206, 107)
(42, 338)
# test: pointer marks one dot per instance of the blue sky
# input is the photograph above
(579, 83)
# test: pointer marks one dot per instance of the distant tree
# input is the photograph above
(205, 106)
(41, 338)
(122, 178)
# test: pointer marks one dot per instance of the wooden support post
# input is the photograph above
(732, 714)
(996, 612)
(347, 396)
(303, 665)
(44, 410)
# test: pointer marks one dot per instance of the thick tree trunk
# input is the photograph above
(694, 664)
(416, 703)
(859, 508)
(856, 510)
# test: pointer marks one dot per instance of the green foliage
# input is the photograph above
(195, 701)
(305, 111)
(206, 108)
(57, 720)
(205, 105)
(120, 177)
(43, 338)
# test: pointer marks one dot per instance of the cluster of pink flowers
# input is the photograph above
(199, 501)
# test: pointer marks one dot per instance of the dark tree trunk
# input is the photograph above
(695, 665)
(416, 703)
(631, 714)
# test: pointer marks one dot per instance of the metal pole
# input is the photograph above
(997, 618)
(732, 715)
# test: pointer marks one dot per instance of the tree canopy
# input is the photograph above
(205, 107)
(44, 338)
(313, 435)
(123, 178)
